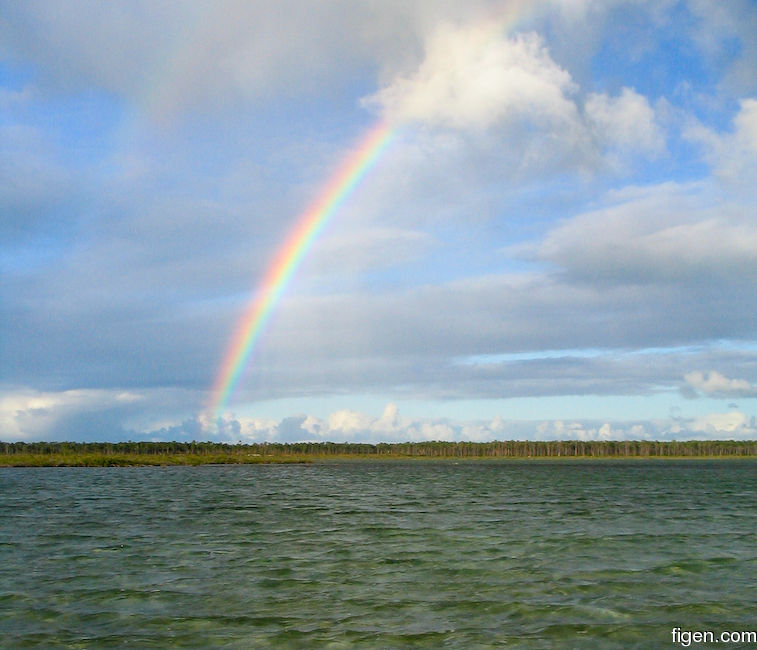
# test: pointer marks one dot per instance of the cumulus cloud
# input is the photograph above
(733, 154)
(714, 384)
(734, 425)
(473, 78)
(477, 81)
(340, 426)
(27, 414)
(353, 426)
(662, 233)
(626, 122)
(587, 430)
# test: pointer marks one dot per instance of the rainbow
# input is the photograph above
(290, 256)
(310, 224)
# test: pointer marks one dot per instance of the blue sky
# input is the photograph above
(560, 241)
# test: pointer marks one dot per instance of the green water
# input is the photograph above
(378, 554)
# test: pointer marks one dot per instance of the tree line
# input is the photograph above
(434, 449)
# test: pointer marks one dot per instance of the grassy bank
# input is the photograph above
(104, 454)
(137, 460)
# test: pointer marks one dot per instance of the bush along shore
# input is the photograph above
(91, 454)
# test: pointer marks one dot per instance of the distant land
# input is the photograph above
(104, 454)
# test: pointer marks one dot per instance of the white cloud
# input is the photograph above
(578, 430)
(718, 385)
(27, 414)
(719, 425)
(746, 125)
(626, 122)
(348, 422)
(733, 154)
(341, 425)
(472, 77)
(354, 426)
(737, 152)
(490, 101)
(662, 233)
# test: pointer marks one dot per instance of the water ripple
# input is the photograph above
(438, 555)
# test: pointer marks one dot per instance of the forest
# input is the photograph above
(197, 453)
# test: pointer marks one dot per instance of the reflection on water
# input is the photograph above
(378, 554)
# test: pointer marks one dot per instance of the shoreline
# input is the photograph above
(130, 453)
(185, 460)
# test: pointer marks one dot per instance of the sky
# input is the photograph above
(556, 240)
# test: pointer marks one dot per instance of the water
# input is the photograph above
(378, 554)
